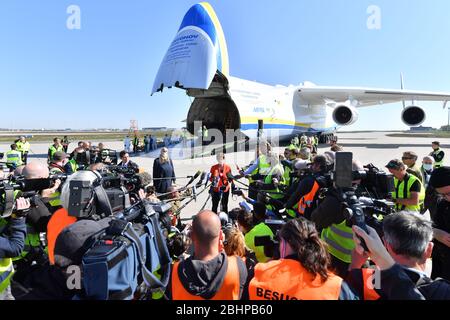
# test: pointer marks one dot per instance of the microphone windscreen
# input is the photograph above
(145, 179)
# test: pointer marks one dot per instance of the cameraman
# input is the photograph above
(407, 238)
(303, 200)
(12, 241)
(336, 233)
(409, 192)
(272, 183)
(303, 271)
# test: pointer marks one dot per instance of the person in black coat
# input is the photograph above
(163, 172)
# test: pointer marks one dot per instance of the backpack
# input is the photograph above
(124, 258)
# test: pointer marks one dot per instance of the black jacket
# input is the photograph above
(165, 170)
(130, 164)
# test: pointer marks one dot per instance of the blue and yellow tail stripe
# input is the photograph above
(203, 16)
(251, 123)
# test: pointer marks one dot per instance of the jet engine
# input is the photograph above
(345, 115)
(413, 116)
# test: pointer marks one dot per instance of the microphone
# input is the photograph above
(207, 179)
(197, 174)
(230, 177)
(216, 179)
(202, 180)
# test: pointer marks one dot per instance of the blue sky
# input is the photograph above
(102, 74)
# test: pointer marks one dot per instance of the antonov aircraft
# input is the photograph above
(197, 61)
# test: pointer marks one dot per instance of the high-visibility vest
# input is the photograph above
(32, 239)
(287, 175)
(260, 230)
(437, 164)
(23, 146)
(262, 168)
(339, 238)
(307, 200)
(59, 220)
(404, 193)
(228, 291)
(73, 165)
(14, 157)
(6, 272)
(53, 150)
(368, 292)
(287, 279)
(275, 193)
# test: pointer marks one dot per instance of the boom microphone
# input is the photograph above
(145, 179)
(230, 177)
(202, 180)
(197, 174)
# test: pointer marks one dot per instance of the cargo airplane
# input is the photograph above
(197, 62)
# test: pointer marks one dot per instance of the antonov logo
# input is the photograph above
(192, 36)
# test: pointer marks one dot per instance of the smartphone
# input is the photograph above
(343, 176)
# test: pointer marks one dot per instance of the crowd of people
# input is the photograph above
(293, 236)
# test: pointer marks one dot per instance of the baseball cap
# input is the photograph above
(395, 164)
(73, 242)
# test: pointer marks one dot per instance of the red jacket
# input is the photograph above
(222, 175)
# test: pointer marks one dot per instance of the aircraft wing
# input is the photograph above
(366, 97)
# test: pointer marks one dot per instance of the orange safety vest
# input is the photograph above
(307, 200)
(287, 279)
(59, 220)
(369, 293)
(228, 291)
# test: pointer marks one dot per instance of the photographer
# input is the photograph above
(221, 186)
(302, 273)
(208, 274)
(336, 233)
(304, 200)
(58, 163)
(51, 282)
(407, 240)
(12, 241)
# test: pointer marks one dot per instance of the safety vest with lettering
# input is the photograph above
(32, 239)
(260, 230)
(437, 164)
(14, 157)
(404, 193)
(262, 168)
(307, 200)
(23, 146)
(6, 272)
(228, 291)
(52, 150)
(339, 238)
(274, 193)
(287, 279)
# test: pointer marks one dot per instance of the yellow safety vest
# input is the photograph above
(402, 193)
(32, 239)
(438, 164)
(262, 168)
(259, 230)
(23, 146)
(6, 272)
(14, 157)
(53, 150)
(275, 193)
(339, 238)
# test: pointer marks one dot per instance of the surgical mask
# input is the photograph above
(427, 166)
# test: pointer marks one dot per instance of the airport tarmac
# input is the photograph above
(368, 147)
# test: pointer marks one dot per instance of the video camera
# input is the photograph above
(363, 211)
(15, 187)
(94, 155)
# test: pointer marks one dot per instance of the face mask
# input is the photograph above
(427, 167)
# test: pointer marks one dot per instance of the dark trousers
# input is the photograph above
(24, 157)
(339, 267)
(216, 197)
